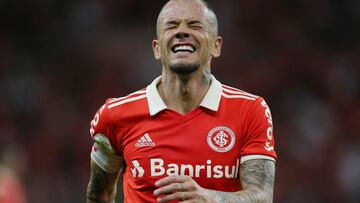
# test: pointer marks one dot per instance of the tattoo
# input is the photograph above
(97, 182)
(257, 178)
(102, 186)
(98, 179)
(226, 197)
(258, 173)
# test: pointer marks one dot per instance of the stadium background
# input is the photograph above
(60, 60)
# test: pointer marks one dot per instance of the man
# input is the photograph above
(186, 137)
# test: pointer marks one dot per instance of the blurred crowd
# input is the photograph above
(60, 60)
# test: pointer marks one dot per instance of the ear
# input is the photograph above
(156, 49)
(216, 49)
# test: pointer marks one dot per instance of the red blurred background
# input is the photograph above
(60, 60)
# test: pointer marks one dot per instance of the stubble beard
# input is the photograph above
(184, 69)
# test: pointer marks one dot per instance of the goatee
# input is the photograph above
(184, 69)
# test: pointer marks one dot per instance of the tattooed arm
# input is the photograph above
(106, 166)
(102, 185)
(257, 179)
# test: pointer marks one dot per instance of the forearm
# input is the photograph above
(257, 178)
(100, 196)
(244, 196)
(102, 186)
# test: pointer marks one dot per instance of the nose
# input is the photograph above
(182, 35)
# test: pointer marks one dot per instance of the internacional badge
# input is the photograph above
(221, 139)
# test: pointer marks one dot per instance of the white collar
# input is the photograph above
(210, 101)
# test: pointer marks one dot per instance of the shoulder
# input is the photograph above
(237, 95)
(237, 100)
(118, 109)
(130, 104)
(113, 103)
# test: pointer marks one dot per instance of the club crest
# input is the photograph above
(221, 139)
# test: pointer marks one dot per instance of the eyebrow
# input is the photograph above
(191, 22)
(176, 22)
(172, 22)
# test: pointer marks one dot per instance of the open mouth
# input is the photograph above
(183, 48)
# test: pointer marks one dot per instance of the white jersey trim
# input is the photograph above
(213, 96)
(255, 156)
(131, 99)
(239, 93)
(211, 100)
(238, 97)
(235, 90)
(156, 104)
(121, 98)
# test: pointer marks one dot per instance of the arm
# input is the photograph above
(106, 163)
(102, 185)
(257, 179)
(106, 166)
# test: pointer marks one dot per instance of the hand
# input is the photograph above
(183, 189)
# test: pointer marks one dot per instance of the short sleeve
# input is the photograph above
(99, 124)
(104, 151)
(258, 140)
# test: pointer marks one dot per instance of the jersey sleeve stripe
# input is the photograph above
(237, 91)
(127, 100)
(231, 88)
(142, 91)
(238, 97)
(256, 156)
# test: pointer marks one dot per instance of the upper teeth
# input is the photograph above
(184, 48)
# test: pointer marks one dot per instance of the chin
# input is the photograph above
(183, 68)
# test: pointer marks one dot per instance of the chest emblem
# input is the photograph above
(221, 139)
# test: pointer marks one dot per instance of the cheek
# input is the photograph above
(207, 47)
(205, 41)
(163, 43)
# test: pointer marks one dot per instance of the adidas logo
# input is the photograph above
(145, 141)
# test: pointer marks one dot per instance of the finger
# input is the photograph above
(176, 196)
(173, 187)
(171, 179)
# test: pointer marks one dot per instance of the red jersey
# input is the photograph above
(229, 127)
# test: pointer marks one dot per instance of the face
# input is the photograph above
(186, 41)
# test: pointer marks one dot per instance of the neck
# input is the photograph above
(184, 93)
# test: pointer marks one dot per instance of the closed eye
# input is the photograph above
(171, 25)
(195, 24)
(197, 27)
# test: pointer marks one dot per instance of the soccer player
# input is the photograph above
(186, 137)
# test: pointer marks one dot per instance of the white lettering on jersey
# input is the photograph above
(137, 171)
(156, 167)
(95, 121)
(269, 131)
(159, 168)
